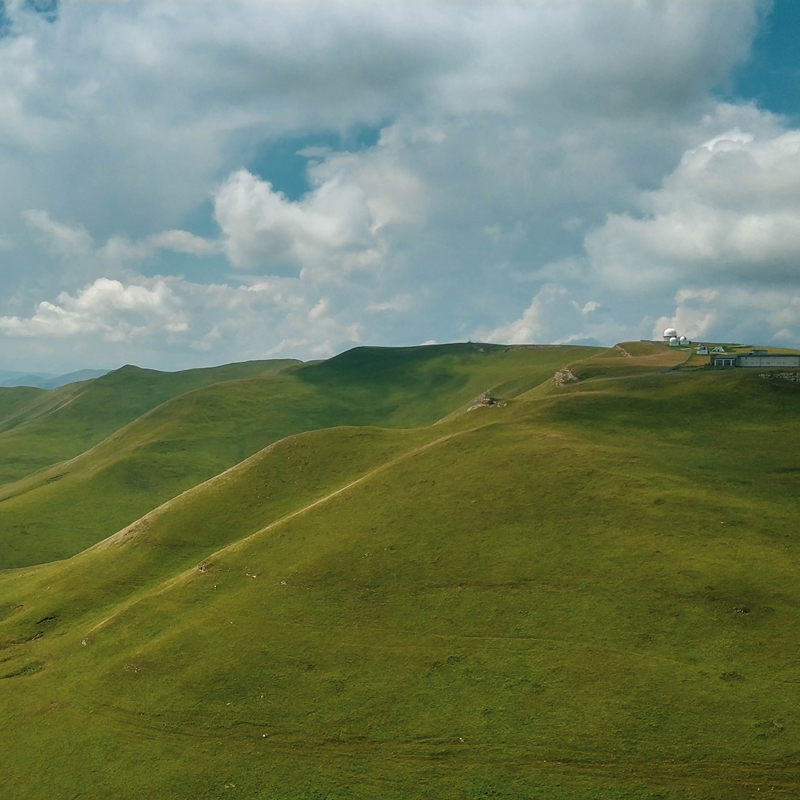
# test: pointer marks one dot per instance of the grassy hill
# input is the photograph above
(589, 592)
(40, 427)
(61, 510)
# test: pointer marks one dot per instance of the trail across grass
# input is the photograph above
(590, 592)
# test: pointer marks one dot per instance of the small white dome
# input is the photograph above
(684, 340)
(669, 333)
(674, 341)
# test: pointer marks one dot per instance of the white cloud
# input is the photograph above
(535, 321)
(507, 132)
(155, 102)
(58, 238)
(71, 241)
(117, 312)
(121, 251)
(731, 208)
(183, 242)
(555, 316)
(272, 317)
(330, 227)
(749, 315)
(400, 303)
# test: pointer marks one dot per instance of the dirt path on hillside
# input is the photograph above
(233, 546)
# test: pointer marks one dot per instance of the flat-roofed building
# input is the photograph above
(755, 358)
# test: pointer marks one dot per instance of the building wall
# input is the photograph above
(769, 361)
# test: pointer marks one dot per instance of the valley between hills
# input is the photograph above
(467, 572)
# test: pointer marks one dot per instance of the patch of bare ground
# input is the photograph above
(486, 400)
(564, 376)
(785, 376)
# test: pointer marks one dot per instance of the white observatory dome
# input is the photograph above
(684, 340)
(674, 341)
(669, 333)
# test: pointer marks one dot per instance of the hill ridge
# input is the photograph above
(233, 546)
(589, 592)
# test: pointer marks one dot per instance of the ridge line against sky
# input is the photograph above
(193, 184)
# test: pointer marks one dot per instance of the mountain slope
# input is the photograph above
(590, 592)
(61, 510)
(39, 428)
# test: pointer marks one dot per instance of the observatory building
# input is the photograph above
(674, 339)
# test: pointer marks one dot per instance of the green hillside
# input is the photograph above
(62, 510)
(39, 427)
(590, 592)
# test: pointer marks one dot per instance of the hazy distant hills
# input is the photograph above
(463, 572)
(46, 380)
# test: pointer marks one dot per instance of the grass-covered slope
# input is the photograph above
(39, 428)
(59, 511)
(589, 593)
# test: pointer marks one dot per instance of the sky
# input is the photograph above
(193, 183)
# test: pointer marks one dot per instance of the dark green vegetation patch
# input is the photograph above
(418, 573)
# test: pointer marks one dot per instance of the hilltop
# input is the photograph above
(148, 435)
(350, 579)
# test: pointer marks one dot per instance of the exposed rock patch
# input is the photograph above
(786, 376)
(486, 400)
(564, 376)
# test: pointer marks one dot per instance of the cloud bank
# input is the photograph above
(515, 171)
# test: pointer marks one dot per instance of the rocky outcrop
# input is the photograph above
(564, 376)
(786, 376)
(486, 400)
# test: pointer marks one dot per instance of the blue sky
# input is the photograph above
(195, 183)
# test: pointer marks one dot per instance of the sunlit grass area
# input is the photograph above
(590, 591)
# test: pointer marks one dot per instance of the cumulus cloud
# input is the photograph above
(400, 303)
(549, 302)
(147, 95)
(736, 313)
(337, 227)
(107, 307)
(273, 317)
(58, 238)
(183, 242)
(71, 241)
(554, 315)
(507, 132)
(729, 211)
(262, 228)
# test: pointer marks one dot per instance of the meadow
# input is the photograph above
(348, 580)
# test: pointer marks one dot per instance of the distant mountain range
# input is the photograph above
(44, 380)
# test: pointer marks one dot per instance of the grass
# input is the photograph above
(591, 592)
(39, 427)
(60, 510)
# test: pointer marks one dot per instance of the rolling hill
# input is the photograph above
(58, 511)
(40, 427)
(587, 590)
